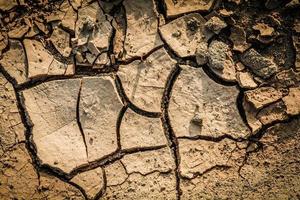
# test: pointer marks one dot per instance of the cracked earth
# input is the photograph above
(149, 99)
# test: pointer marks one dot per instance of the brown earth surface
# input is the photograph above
(149, 99)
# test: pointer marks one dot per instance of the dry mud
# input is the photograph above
(149, 99)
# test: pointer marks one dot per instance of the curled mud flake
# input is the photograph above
(211, 109)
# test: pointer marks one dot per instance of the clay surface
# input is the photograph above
(149, 100)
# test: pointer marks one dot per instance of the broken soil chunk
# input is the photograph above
(184, 34)
(273, 113)
(245, 80)
(262, 96)
(144, 81)
(185, 6)
(215, 24)
(210, 111)
(259, 65)
(142, 28)
(220, 60)
(238, 37)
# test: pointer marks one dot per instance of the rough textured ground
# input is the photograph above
(149, 99)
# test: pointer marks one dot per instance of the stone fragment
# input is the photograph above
(99, 108)
(260, 65)
(185, 34)
(245, 80)
(137, 131)
(91, 181)
(185, 6)
(262, 96)
(11, 127)
(144, 81)
(211, 109)
(292, 101)
(215, 24)
(92, 26)
(41, 62)
(148, 162)
(264, 29)
(238, 37)
(60, 40)
(220, 60)
(142, 29)
(14, 61)
(51, 107)
(7, 4)
(273, 113)
(197, 157)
